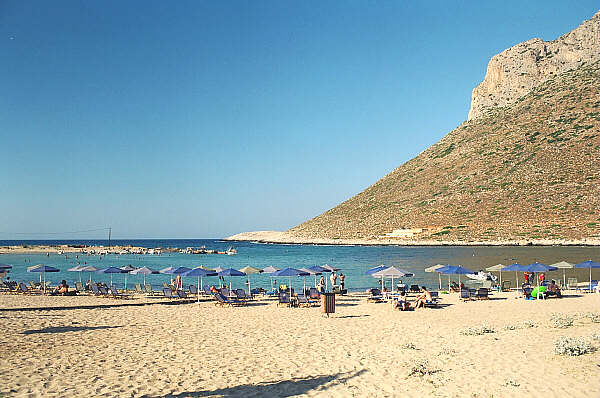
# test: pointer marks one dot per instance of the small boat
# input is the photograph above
(231, 251)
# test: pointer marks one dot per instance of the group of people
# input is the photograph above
(421, 300)
(333, 278)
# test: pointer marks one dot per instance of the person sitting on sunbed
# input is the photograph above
(423, 298)
(402, 304)
(61, 289)
(553, 289)
(213, 289)
(454, 287)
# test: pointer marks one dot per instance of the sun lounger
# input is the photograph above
(113, 292)
(96, 290)
(482, 294)
(193, 289)
(182, 295)
(314, 294)
(241, 294)
(284, 299)
(223, 300)
(465, 295)
(415, 289)
(168, 293)
(138, 289)
(148, 289)
(375, 296)
(506, 286)
(23, 289)
(79, 287)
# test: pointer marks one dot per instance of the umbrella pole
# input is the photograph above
(44, 273)
(79, 276)
(440, 278)
(564, 278)
(590, 286)
(517, 276)
(198, 292)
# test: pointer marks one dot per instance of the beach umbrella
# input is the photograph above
(289, 272)
(496, 268)
(330, 268)
(454, 270)
(248, 271)
(43, 269)
(325, 268)
(391, 272)
(538, 267)
(143, 271)
(5, 266)
(126, 270)
(200, 273)
(311, 272)
(270, 270)
(434, 268)
(376, 269)
(90, 269)
(564, 266)
(180, 271)
(588, 264)
(168, 270)
(231, 272)
(76, 268)
(110, 270)
(514, 267)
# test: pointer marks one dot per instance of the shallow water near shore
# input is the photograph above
(352, 260)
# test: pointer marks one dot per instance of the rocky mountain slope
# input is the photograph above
(515, 71)
(527, 171)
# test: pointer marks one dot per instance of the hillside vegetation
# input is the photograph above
(530, 170)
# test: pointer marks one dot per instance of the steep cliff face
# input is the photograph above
(517, 70)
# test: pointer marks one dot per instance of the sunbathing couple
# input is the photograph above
(425, 297)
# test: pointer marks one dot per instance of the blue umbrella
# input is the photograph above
(290, 272)
(5, 266)
(231, 272)
(538, 267)
(454, 270)
(110, 270)
(515, 267)
(320, 269)
(168, 270)
(180, 271)
(588, 264)
(43, 269)
(126, 270)
(376, 269)
(199, 272)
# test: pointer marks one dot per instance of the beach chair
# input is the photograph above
(241, 294)
(303, 301)
(223, 300)
(415, 289)
(527, 291)
(314, 294)
(284, 299)
(168, 293)
(165, 284)
(375, 296)
(23, 289)
(225, 292)
(138, 289)
(114, 293)
(572, 284)
(487, 285)
(465, 295)
(79, 287)
(96, 290)
(506, 286)
(482, 294)
(206, 290)
(33, 286)
(148, 289)
(591, 287)
(182, 295)
(434, 300)
(193, 289)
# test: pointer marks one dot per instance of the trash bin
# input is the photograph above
(328, 303)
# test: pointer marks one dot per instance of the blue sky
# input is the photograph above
(197, 119)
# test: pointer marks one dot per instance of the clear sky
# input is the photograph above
(199, 119)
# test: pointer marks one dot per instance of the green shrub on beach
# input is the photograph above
(421, 368)
(596, 336)
(561, 321)
(409, 346)
(572, 346)
(593, 316)
(477, 330)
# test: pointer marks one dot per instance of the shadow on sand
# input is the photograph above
(284, 388)
(94, 306)
(64, 329)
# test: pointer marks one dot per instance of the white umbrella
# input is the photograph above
(90, 269)
(76, 268)
(564, 265)
(270, 270)
(126, 269)
(250, 270)
(143, 271)
(391, 272)
(434, 268)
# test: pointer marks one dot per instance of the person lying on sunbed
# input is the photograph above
(454, 287)
(423, 298)
(402, 304)
(553, 289)
(213, 289)
(61, 289)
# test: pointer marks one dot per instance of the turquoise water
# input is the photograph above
(353, 261)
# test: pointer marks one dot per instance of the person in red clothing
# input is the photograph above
(527, 277)
(542, 277)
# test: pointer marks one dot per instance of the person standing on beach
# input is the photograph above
(333, 279)
(178, 284)
(342, 279)
(321, 286)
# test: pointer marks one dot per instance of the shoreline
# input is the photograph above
(278, 237)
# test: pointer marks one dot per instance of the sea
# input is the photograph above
(353, 261)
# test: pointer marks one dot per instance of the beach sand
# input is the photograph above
(157, 349)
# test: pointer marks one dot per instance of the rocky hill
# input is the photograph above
(515, 71)
(527, 171)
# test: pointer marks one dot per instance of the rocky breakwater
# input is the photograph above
(516, 71)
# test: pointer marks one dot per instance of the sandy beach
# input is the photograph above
(89, 346)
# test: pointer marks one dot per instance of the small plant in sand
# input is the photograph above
(596, 336)
(593, 316)
(561, 321)
(572, 346)
(529, 324)
(421, 368)
(447, 352)
(477, 330)
(511, 327)
(409, 346)
(511, 383)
